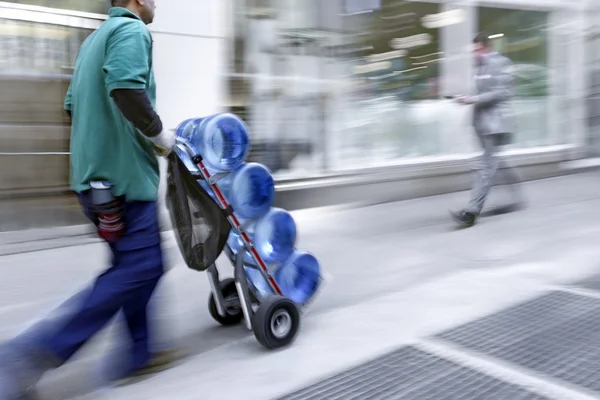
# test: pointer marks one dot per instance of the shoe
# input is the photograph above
(20, 371)
(464, 218)
(160, 361)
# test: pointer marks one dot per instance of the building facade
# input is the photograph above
(361, 83)
(326, 86)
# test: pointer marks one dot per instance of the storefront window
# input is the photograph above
(522, 36)
(283, 54)
(392, 112)
(35, 63)
(38, 49)
(91, 6)
(363, 83)
(593, 95)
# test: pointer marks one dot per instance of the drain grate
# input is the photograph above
(557, 335)
(411, 374)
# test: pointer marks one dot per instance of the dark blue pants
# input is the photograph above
(137, 266)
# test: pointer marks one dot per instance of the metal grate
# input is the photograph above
(556, 335)
(411, 374)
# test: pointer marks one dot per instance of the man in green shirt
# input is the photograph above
(115, 137)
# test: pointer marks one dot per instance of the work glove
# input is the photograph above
(164, 143)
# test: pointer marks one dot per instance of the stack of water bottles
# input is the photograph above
(222, 141)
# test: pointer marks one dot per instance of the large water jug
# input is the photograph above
(234, 241)
(250, 190)
(254, 276)
(221, 139)
(185, 158)
(257, 281)
(187, 130)
(273, 235)
(299, 277)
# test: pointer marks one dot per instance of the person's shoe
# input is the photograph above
(160, 361)
(464, 218)
(21, 369)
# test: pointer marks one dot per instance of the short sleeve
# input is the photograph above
(127, 63)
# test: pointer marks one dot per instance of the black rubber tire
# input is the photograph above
(271, 308)
(233, 317)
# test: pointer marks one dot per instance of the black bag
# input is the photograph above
(200, 225)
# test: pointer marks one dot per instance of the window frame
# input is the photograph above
(53, 16)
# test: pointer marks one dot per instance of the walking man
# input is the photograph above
(115, 137)
(493, 125)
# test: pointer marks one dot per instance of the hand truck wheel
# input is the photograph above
(276, 322)
(232, 304)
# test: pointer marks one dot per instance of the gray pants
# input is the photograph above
(491, 169)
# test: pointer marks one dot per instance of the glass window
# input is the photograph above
(400, 54)
(35, 63)
(280, 57)
(522, 36)
(394, 73)
(92, 6)
(593, 95)
(38, 49)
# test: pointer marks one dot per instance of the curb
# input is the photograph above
(345, 191)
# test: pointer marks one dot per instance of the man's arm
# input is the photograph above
(127, 68)
(503, 85)
(136, 107)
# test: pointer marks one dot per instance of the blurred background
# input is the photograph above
(346, 103)
(327, 87)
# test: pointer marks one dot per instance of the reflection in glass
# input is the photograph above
(33, 48)
(593, 96)
(92, 6)
(35, 66)
(282, 58)
(522, 37)
(394, 74)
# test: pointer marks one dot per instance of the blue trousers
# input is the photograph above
(137, 266)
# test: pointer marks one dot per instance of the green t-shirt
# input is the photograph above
(104, 144)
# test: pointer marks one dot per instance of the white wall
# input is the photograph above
(190, 56)
(190, 49)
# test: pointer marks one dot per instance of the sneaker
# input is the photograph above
(160, 361)
(464, 218)
(21, 369)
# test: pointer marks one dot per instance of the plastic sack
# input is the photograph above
(200, 226)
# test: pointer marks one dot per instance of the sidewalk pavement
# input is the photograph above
(399, 275)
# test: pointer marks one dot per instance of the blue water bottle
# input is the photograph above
(257, 281)
(235, 243)
(250, 190)
(188, 131)
(223, 141)
(299, 277)
(275, 236)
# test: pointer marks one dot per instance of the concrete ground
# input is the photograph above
(397, 273)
